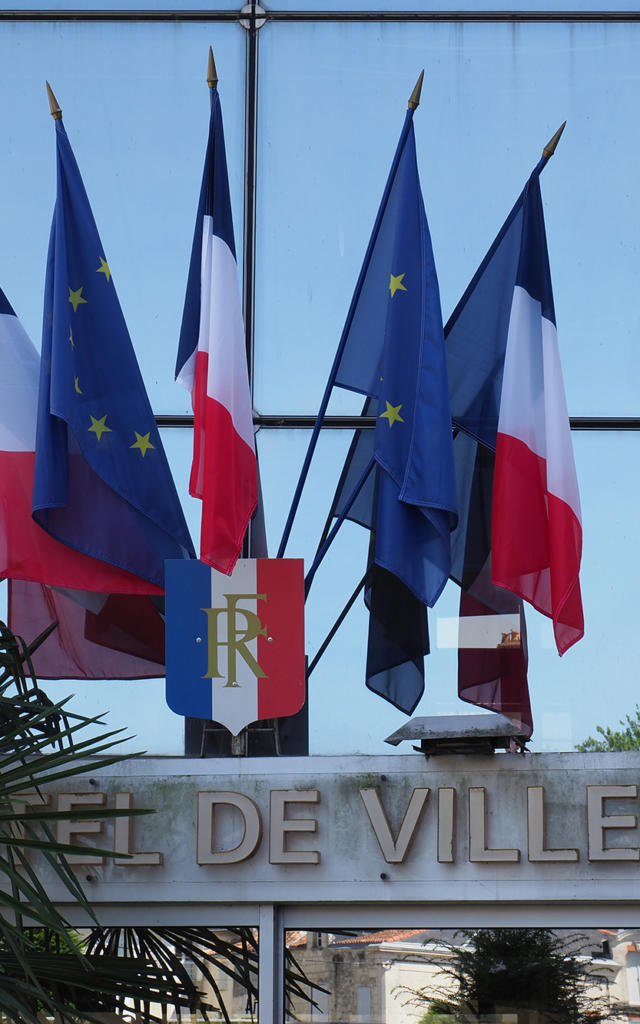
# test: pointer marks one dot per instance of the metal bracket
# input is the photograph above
(255, 16)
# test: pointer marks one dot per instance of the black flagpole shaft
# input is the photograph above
(336, 626)
(336, 526)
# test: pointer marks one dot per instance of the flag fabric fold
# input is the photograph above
(102, 483)
(212, 365)
(492, 660)
(537, 531)
(492, 642)
(485, 323)
(120, 637)
(393, 352)
(398, 640)
(31, 558)
(27, 552)
(398, 634)
(476, 337)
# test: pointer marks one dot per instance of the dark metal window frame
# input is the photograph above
(294, 421)
(256, 13)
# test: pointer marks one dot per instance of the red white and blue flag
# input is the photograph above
(27, 552)
(519, 529)
(536, 527)
(212, 365)
(34, 562)
(235, 645)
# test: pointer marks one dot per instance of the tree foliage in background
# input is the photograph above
(626, 738)
(505, 970)
(45, 969)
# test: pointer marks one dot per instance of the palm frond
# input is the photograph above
(44, 968)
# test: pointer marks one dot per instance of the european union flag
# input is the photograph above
(394, 353)
(102, 484)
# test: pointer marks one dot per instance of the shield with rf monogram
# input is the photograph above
(235, 644)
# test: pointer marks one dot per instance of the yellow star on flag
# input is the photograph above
(142, 442)
(392, 413)
(395, 283)
(79, 391)
(98, 427)
(75, 298)
(104, 269)
(73, 344)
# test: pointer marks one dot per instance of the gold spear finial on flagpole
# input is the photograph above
(212, 74)
(414, 99)
(550, 147)
(53, 103)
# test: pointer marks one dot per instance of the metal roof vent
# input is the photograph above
(462, 734)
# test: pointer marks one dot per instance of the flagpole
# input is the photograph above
(414, 101)
(550, 147)
(212, 74)
(56, 112)
(336, 526)
(547, 153)
(336, 626)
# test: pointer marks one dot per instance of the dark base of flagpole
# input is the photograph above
(239, 742)
(260, 738)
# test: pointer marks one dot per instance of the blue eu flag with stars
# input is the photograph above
(102, 483)
(394, 353)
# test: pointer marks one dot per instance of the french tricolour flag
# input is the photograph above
(212, 365)
(536, 525)
(27, 552)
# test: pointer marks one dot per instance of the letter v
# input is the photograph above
(394, 850)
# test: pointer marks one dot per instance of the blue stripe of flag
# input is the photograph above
(5, 305)
(534, 274)
(187, 594)
(214, 202)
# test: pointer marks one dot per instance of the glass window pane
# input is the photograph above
(196, 971)
(493, 96)
(566, 693)
(488, 975)
(137, 706)
(136, 110)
